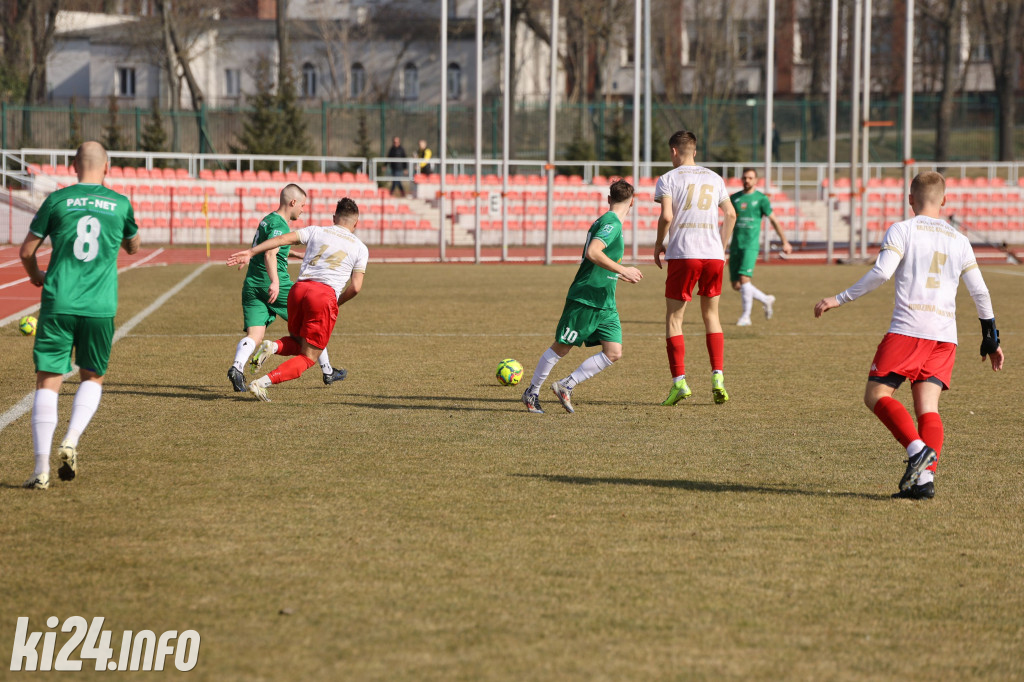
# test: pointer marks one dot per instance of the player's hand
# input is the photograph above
(787, 247)
(996, 358)
(825, 304)
(240, 259)
(631, 275)
(275, 288)
(38, 279)
(658, 250)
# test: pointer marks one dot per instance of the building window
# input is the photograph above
(410, 82)
(126, 81)
(308, 80)
(750, 40)
(454, 81)
(358, 84)
(232, 82)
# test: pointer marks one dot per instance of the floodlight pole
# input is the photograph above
(833, 83)
(908, 106)
(769, 120)
(635, 211)
(478, 128)
(444, 128)
(553, 92)
(506, 60)
(858, 19)
(865, 138)
(648, 86)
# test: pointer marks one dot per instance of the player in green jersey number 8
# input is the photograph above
(86, 223)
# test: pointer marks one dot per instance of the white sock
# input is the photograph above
(681, 377)
(588, 368)
(915, 447)
(925, 477)
(546, 363)
(44, 423)
(243, 350)
(758, 295)
(325, 362)
(87, 399)
(264, 381)
(747, 299)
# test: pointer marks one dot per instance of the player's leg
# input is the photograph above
(607, 331)
(710, 291)
(329, 372)
(312, 313)
(739, 276)
(714, 340)
(94, 338)
(682, 277)
(256, 315)
(271, 311)
(929, 425)
(878, 397)
(566, 334)
(51, 354)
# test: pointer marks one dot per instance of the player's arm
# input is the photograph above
(354, 286)
(270, 262)
(596, 255)
(729, 222)
(885, 266)
(983, 303)
(28, 259)
(786, 246)
(131, 244)
(664, 220)
(243, 257)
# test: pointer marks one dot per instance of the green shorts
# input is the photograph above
(582, 325)
(256, 311)
(91, 337)
(741, 262)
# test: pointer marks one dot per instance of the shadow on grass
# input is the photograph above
(172, 391)
(697, 486)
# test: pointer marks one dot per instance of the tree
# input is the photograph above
(112, 132)
(75, 139)
(294, 139)
(1002, 21)
(154, 137)
(263, 121)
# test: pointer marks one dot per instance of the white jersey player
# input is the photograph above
(331, 274)
(690, 197)
(928, 258)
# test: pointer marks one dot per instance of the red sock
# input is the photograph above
(932, 433)
(896, 419)
(676, 355)
(290, 369)
(716, 350)
(288, 346)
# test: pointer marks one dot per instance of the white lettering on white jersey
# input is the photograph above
(933, 255)
(695, 231)
(332, 254)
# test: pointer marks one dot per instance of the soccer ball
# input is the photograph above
(27, 325)
(509, 372)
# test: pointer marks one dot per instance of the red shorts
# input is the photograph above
(913, 358)
(312, 312)
(683, 273)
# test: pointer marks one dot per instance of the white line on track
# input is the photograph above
(17, 261)
(25, 404)
(21, 313)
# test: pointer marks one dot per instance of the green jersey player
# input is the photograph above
(750, 206)
(589, 316)
(266, 287)
(86, 224)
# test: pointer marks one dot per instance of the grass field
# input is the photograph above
(415, 523)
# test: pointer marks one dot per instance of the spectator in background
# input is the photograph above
(424, 153)
(397, 151)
